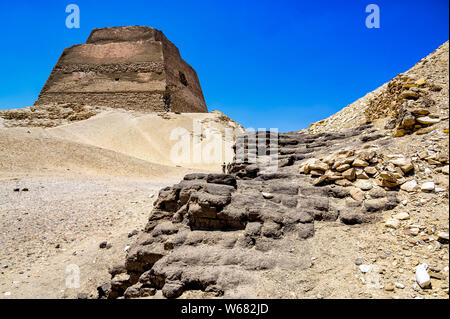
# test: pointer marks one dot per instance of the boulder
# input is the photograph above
(427, 120)
(352, 217)
(408, 121)
(138, 290)
(225, 179)
(360, 174)
(253, 229)
(320, 180)
(377, 192)
(120, 282)
(427, 187)
(318, 165)
(399, 132)
(388, 176)
(421, 82)
(357, 194)
(332, 176)
(283, 188)
(271, 229)
(343, 182)
(359, 163)
(305, 230)
(339, 191)
(424, 130)
(117, 269)
(315, 172)
(104, 291)
(194, 176)
(409, 186)
(364, 184)
(349, 174)
(404, 164)
(374, 205)
(420, 111)
(410, 95)
(370, 170)
(343, 167)
(141, 258)
(173, 289)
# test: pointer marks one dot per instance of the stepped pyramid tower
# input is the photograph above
(134, 67)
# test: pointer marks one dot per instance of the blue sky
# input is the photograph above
(266, 64)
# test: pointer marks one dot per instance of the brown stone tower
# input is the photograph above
(133, 67)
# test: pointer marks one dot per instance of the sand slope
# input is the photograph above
(34, 152)
(121, 143)
(153, 137)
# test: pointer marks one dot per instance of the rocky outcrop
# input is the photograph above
(214, 232)
(366, 168)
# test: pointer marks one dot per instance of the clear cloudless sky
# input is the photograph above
(265, 64)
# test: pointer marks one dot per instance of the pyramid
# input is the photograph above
(134, 68)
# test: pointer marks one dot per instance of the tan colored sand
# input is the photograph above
(152, 137)
(34, 153)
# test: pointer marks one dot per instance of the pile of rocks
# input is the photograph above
(409, 104)
(49, 115)
(363, 169)
(434, 158)
(415, 115)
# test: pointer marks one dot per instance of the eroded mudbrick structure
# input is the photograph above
(133, 67)
(217, 232)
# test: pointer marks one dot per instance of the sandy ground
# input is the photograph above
(166, 139)
(61, 221)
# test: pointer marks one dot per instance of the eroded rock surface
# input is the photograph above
(215, 232)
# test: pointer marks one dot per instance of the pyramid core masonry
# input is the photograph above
(134, 68)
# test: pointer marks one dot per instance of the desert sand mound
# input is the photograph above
(163, 138)
(154, 137)
(34, 152)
